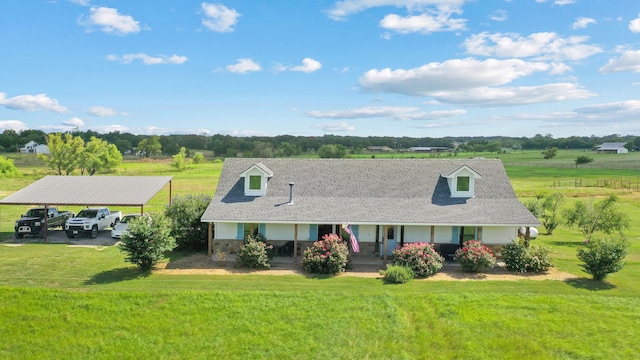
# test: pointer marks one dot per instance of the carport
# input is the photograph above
(56, 190)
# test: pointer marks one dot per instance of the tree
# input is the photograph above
(550, 211)
(602, 256)
(8, 168)
(602, 216)
(583, 159)
(148, 238)
(64, 152)
(185, 213)
(179, 159)
(99, 156)
(198, 158)
(150, 146)
(332, 151)
(550, 153)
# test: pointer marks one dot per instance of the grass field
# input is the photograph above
(78, 302)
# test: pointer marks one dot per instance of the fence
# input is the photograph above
(627, 182)
(607, 166)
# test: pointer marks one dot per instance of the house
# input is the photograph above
(612, 148)
(428, 149)
(386, 202)
(33, 147)
(378, 148)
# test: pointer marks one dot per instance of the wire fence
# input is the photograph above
(607, 166)
(624, 183)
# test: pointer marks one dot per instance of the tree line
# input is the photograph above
(289, 145)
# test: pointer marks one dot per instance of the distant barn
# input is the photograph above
(612, 148)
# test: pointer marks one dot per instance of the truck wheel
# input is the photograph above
(94, 232)
(70, 235)
(19, 236)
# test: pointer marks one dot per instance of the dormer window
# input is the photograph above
(255, 180)
(462, 182)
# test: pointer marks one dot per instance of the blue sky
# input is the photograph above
(429, 68)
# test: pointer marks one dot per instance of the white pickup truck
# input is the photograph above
(90, 221)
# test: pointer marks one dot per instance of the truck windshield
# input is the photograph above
(35, 213)
(88, 213)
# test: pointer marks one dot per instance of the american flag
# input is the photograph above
(354, 242)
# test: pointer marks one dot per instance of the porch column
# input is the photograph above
(295, 242)
(385, 246)
(210, 239)
(433, 231)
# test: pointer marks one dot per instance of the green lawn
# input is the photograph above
(69, 302)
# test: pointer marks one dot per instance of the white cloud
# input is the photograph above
(424, 23)
(81, 2)
(74, 121)
(558, 2)
(309, 65)
(510, 96)
(244, 65)
(539, 46)
(15, 125)
(583, 22)
(219, 18)
(634, 25)
(343, 9)
(455, 74)
(391, 112)
(628, 107)
(629, 60)
(110, 21)
(498, 15)
(104, 111)
(147, 59)
(335, 127)
(32, 103)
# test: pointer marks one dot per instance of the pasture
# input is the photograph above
(61, 301)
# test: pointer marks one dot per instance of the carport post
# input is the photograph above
(46, 221)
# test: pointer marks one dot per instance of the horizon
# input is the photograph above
(362, 68)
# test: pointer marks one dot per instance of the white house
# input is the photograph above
(33, 147)
(612, 148)
(387, 202)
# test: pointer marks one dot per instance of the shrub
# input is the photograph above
(185, 213)
(602, 256)
(254, 253)
(397, 274)
(475, 257)
(271, 251)
(147, 240)
(198, 158)
(326, 256)
(519, 258)
(421, 258)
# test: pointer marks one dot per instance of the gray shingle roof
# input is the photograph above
(368, 191)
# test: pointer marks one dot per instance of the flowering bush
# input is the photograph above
(326, 256)
(254, 253)
(475, 257)
(603, 255)
(519, 258)
(419, 257)
(397, 274)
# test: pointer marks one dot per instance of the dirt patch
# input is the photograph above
(201, 264)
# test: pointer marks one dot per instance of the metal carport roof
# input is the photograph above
(90, 190)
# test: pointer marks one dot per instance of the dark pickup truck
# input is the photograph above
(32, 222)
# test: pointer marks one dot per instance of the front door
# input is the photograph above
(392, 241)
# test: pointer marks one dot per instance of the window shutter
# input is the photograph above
(262, 229)
(455, 234)
(313, 232)
(240, 235)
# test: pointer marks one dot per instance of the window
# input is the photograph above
(462, 183)
(255, 182)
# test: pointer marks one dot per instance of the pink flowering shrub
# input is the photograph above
(419, 257)
(254, 253)
(475, 257)
(326, 256)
